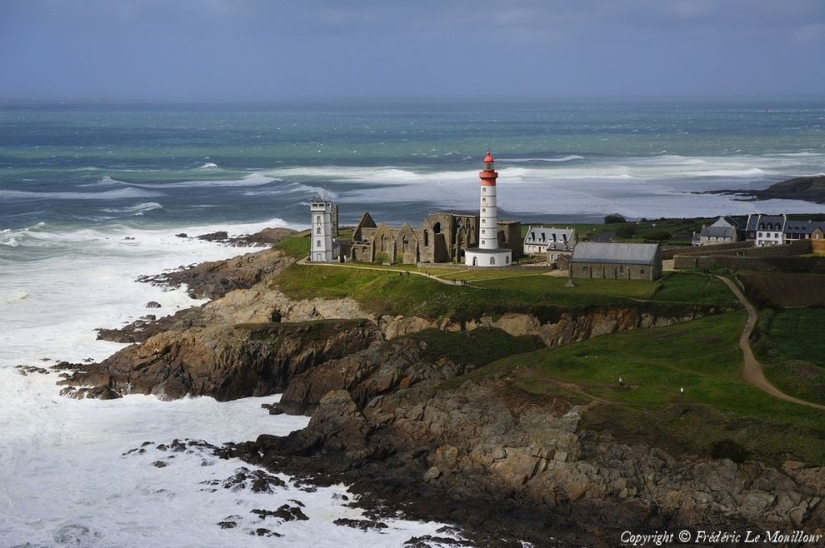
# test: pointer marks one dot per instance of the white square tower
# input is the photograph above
(324, 226)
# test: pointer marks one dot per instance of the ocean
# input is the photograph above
(92, 196)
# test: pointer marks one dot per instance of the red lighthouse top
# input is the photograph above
(488, 175)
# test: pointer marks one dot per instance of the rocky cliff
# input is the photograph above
(225, 363)
(509, 466)
(391, 418)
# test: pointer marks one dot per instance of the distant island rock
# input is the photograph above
(808, 189)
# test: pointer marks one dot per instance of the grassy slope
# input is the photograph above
(396, 293)
(701, 356)
(794, 354)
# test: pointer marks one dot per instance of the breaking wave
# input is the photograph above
(106, 195)
(138, 209)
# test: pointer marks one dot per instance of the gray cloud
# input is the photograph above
(269, 50)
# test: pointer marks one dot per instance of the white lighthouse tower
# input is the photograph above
(488, 254)
(324, 213)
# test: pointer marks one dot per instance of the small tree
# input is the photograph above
(614, 218)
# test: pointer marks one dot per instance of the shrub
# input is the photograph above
(614, 218)
(729, 449)
(626, 231)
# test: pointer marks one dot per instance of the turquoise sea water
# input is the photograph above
(156, 165)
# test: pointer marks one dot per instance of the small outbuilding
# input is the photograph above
(616, 261)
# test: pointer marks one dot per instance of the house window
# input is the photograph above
(318, 230)
(317, 218)
(483, 231)
(492, 260)
(484, 221)
(484, 190)
(318, 243)
(484, 198)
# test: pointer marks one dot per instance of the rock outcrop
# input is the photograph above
(214, 279)
(808, 189)
(225, 363)
(509, 466)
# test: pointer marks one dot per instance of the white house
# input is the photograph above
(540, 240)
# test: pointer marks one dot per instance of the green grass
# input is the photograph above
(692, 287)
(799, 334)
(394, 293)
(702, 356)
(478, 347)
(296, 246)
(794, 352)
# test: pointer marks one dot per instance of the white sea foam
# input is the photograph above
(652, 187)
(64, 477)
(568, 158)
(253, 179)
(118, 194)
(138, 209)
(209, 165)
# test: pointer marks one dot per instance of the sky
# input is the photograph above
(271, 50)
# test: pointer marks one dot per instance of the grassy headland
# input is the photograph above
(718, 414)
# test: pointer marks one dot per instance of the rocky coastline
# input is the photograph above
(412, 431)
(807, 189)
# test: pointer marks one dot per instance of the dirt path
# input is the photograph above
(752, 369)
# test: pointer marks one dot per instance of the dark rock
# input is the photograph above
(30, 369)
(249, 360)
(285, 513)
(228, 524)
(218, 236)
(257, 481)
(152, 304)
(262, 532)
(273, 408)
(182, 235)
(363, 524)
(215, 279)
(809, 189)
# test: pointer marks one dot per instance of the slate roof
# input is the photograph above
(766, 222)
(610, 253)
(556, 238)
(719, 232)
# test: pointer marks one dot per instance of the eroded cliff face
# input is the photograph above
(570, 327)
(225, 363)
(526, 470)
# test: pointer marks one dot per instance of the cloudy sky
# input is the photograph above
(269, 50)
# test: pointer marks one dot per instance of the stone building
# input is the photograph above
(616, 261)
(442, 237)
(722, 231)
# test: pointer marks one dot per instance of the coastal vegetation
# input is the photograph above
(528, 291)
(793, 350)
(681, 387)
(677, 387)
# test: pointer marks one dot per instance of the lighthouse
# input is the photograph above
(488, 254)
